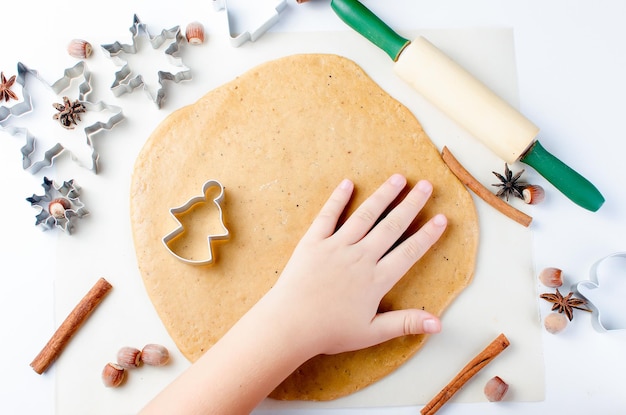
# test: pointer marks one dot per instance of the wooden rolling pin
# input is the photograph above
(468, 102)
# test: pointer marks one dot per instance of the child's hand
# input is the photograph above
(331, 288)
(325, 301)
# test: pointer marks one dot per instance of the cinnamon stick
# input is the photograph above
(481, 191)
(474, 366)
(70, 325)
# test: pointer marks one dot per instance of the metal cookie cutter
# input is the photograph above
(21, 107)
(16, 128)
(266, 22)
(175, 212)
(59, 206)
(26, 105)
(123, 82)
(605, 291)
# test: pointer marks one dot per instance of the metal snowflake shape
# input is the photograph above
(43, 144)
(59, 206)
(126, 81)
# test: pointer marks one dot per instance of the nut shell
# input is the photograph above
(555, 323)
(551, 277)
(113, 375)
(80, 49)
(533, 194)
(495, 389)
(129, 357)
(57, 207)
(195, 33)
(155, 355)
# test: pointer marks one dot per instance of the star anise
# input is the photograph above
(69, 112)
(5, 88)
(509, 185)
(565, 304)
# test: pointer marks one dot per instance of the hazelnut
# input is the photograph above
(555, 323)
(113, 375)
(155, 355)
(551, 277)
(533, 194)
(129, 357)
(80, 49)
(195, 33)
(495, 389)
(57, 207)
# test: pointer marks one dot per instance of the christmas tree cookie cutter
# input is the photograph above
(252, 34)
(26, 106)
(125, 83)
(59, 206)
(605, 291)
(177, 212)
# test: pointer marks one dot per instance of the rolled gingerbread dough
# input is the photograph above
(279, 138)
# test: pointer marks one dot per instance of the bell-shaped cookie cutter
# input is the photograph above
(167, 239)
(123, 82)
(238, 39)
(605, 293)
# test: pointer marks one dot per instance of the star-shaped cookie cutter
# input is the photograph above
(238, 39)
(605, 291)
(26, 106)
(175, 212)
(69, 207)
(125, 83)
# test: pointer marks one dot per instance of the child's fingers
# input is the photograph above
(366, 215)
(397, 262)
(398, 323)
(390, 229)
(325, 223)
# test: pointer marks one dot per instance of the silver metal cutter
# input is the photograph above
(181, 210)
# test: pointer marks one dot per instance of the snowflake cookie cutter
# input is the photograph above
(26, 106)
(180, 230)
(605, 291)
(124, 82)
(59, 206)
(266, 22)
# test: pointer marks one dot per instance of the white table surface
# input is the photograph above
(571, 60)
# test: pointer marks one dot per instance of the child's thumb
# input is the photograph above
(404, 322)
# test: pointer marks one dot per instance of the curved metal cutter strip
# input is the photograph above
(252, 34)
(167, 239)
(22, 107)
(609, 295)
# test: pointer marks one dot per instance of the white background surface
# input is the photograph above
(570, 58)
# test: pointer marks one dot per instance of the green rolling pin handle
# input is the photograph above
(361, 19)
(578, 189)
